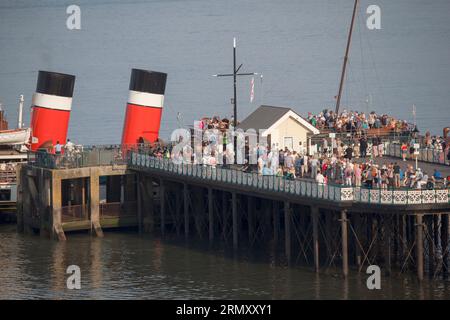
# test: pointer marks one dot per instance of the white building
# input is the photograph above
(282, 127)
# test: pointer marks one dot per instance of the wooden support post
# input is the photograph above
(344, 235)
(287, 230)
(211, 214)
(162, 199)
(315, 224)
(235, 220)
(357, 224)
(444, 242)
(404, 236)
(94, 196)
(224, 215)
(436, 236)
(149, 217)
(45, 205)
(276, 221)
(139, 203)
(419, 245)
(250, 220)
(186, 210)
(387, 225)
(178, 207)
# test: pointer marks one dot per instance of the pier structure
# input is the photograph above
(91, 192)
(322, 226)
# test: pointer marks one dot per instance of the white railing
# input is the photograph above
(425, 154)
(301, 188)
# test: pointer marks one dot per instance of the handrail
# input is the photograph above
(429, 155)
(303, 188)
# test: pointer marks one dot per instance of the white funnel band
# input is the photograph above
(146, 99)
(52, 102)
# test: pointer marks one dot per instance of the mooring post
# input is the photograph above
(186, 209)
(315, 224)
(444, 242)
(419, 245)
(344, 234)
(211, 214)
(162, 199)
(287, 230)
(235, 220)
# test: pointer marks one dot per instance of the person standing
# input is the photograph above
(374, 147)
(363, 147)
(58, 148)
(396, 170)
(314, 167)
(380, 147)
(358, 175)
(404, 149)
(325, 146)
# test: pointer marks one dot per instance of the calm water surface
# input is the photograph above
(128, 266)
(297, 44)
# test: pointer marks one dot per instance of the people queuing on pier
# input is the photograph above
(354, 121)
(214, 122)
(347, 171)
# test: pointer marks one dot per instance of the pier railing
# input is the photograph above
(425, 154)
(87, 157)
(301, 188)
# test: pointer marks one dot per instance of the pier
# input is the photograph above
(324, 226)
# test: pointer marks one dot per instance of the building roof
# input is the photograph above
(265, 117)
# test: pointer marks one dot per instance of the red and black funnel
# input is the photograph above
(51, 107)
(144, 107)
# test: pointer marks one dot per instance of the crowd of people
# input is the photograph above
(214, 123)
(358, 122)
(348, 171)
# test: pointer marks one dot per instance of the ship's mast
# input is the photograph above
(347, 50)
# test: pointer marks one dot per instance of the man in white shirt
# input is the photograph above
(320, 179)
(58, 148)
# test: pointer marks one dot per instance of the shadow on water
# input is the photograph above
(126, 265)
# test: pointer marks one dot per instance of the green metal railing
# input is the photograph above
(87, 157)
(302, 188)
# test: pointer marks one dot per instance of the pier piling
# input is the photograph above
(344, 235)
(419, 246)
(315, 222)
(287, 230)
